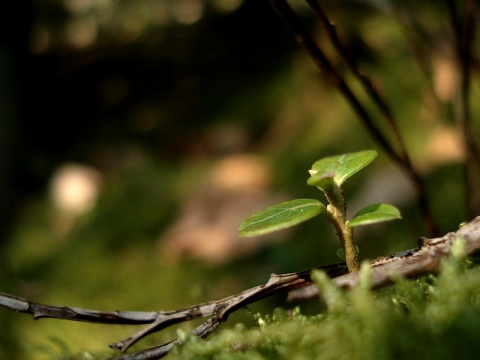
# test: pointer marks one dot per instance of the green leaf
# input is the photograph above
(373, 214)
(340, 167)
(280, 216)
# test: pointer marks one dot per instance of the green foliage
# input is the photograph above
(429, 318)
(281, 216)
(374, 213)
(327, 174)
(340, 167)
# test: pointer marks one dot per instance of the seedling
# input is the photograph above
(327, 174)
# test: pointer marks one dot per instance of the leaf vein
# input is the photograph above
(282, 210)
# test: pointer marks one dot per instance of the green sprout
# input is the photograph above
(327, 174)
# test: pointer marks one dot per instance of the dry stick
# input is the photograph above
(413, 263)
(78, 314)
(463, 38)
(158, 352)
(425, 259)
(318, 56)
(220, 309)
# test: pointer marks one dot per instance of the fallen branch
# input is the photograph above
(218, 311)
(425, 259)
(408, 264)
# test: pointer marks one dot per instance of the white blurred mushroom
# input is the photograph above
(74, 189)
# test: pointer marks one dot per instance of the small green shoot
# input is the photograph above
(341, 167)
(327, 174)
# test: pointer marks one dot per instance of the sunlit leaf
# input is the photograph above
(280, 216)
(373, 214)
(340, 167)
(326, 167)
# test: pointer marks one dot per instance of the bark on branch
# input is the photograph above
(413, 263)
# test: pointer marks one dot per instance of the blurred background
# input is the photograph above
(136, 135)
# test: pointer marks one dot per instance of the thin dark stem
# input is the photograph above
(318, 56)
(367, 84)
(320, 59)
(462, 26)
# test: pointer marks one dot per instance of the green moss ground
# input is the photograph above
(429, 318)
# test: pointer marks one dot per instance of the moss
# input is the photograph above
(427, 318)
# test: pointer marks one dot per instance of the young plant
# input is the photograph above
(327, 175)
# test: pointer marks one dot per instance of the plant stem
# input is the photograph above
(346, 238)
(350, 250)
(336, 213)
(462, 24)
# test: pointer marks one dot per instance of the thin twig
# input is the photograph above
(220, 309)
(78, 314)
(399, 157)
(462, 26)
(158, 352)
(366, 83)
(320, 59)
